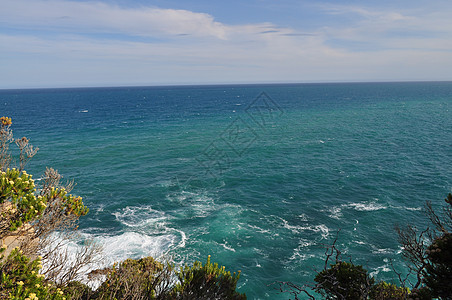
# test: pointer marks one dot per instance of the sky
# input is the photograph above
(84, 43)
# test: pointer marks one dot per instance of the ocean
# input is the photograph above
(260, 177)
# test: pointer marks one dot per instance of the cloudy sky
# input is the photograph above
(71, 43)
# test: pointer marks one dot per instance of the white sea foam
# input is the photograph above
(303, 217)
(150, 227)
(134, 245)
(300, 253)
(227, 247)
(365, 206)
(117, 248)
(258, 229)
(384, 268)
(322, 228)
(139, 216)
(199, 204)
(381, 250)
(258, 265)
(335, 212)
(146, 233)
(413, 208)
(408, 208)
(359, 242)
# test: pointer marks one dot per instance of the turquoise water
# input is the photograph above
(260, 177)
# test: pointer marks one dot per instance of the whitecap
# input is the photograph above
(335, 212)
(365, 206)
(303, 217)
(407, 208)
(258, 229)
(227, 247)
(300, 253)
(359, 242)
(413, 208)
(322, 228)
(384, 268)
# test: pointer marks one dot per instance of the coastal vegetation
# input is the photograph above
(39, 217)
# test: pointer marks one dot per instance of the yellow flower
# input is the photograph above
(61, 292)
(33, 296)
(37, 285)
(21, 283)
(5, 121)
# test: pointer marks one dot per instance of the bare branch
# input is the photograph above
(26, 152)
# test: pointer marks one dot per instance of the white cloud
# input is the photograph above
(97, 17)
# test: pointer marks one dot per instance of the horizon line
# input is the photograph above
(181, 85)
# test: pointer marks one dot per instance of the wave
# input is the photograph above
(146, 232)
(322, 228)
(365, 206)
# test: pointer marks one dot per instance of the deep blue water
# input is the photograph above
(259, 176)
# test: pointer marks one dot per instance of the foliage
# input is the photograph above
(208, 281)
(75, 290)
(18, 198)
(438, 273)
(388, 291)
(344, 280)
(21, 204)
(20, 279)
(429, 253)
(143, 278)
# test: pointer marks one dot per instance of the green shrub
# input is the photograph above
(422, 293)
(438, 277)
(20, 279)
(143, 278)
(344, 280)
(388, 291)
(76, 290)
(207, 281)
